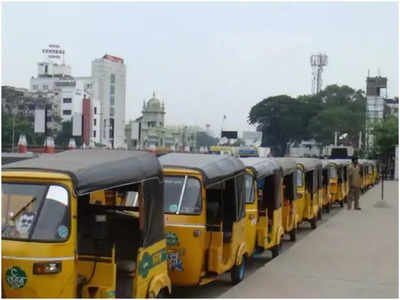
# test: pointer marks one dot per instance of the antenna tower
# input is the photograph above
(318, 62)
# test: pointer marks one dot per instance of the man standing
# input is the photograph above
(355, 184)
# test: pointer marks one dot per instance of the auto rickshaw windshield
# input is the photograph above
(182, 195)
(332, 172)
(299, 178)
(36, 212)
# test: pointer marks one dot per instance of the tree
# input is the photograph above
(284, 120)
(63, 136)
(205, 140)
(342, 110)
(386, 134)
(21, 126)
(280, 120)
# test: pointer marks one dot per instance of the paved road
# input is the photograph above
(350, 254)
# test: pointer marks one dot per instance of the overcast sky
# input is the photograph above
(207, 59)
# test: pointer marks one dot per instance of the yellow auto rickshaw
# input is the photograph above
(364, 174)
(264, 228)
(289, 211)
(344, 177)
(326, 194)
(375, 176)
(60, 242)
(205, 217)
(307, 187)
(337, 185)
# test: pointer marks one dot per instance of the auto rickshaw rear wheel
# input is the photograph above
(238, 271)
(328, 208)
(342, 203)
(320, 214)
(293, 235)
(313, 223)
(275, 250)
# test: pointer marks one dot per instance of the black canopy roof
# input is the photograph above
(309, 164)
(287, 164)
(93, 170)
(338, 162)
(7, 158)
(213, 167)
(262, 167)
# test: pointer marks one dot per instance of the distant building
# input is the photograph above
(391, 107)
(109, 88)
(252, 138)
(306, 148)
(376, 93)
(150, 132)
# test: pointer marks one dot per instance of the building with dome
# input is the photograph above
(150, 132)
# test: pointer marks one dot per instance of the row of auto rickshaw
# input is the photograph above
(127, 224)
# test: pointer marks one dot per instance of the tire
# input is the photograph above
(328, 208)
(163, 294)
(320, 214)
(275, 250)
(341, 203)
(238, 272)
(293, 235)
(313, 223)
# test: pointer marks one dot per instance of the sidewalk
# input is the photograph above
(353, 254)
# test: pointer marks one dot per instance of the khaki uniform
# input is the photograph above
(355, 186)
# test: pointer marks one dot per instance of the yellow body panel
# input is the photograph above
(251, 218)
(307, 208)
(289, 214)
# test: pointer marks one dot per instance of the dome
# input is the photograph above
(154, 104)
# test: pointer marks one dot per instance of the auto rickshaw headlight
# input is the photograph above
(43, 268)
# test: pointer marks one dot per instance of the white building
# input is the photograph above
(376, 93)
(109, 87)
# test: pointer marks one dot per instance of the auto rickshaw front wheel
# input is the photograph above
(163, 294)
(238, 271)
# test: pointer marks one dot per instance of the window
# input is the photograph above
(95, 110)
(45, 86)
(94, 122)
(37, 212)
(112, 90)
(248, 184)
(112, 78)
(35, 86)
(94, 133)
(182, 195)
(112, 100)
(67, 100)
(112, 111)
(67, 112)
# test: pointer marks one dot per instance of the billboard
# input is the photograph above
(77, 124)
(40, 120)
(53, 51)
(229, 134)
